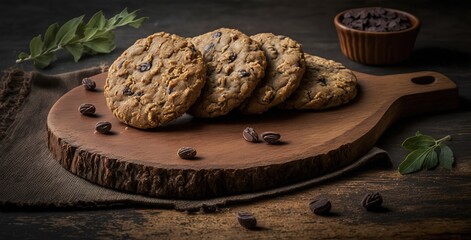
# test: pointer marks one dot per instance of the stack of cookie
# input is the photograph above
(161, 77)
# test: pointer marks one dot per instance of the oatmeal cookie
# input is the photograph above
(285, 68)
(235, 65)
(154, 81)
(325, 84)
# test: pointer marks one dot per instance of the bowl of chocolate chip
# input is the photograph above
(376, 35)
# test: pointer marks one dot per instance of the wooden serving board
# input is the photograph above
(313, 142)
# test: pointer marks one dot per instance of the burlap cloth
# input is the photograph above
(30, 178)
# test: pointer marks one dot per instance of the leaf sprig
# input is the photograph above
(424, 155)
(78, 38)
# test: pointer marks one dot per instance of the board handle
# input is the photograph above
(426, 91)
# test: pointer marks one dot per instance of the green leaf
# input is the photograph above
(78, 38)
(76, 50)
(101, 45)
(446, 157)
(89, 33)
(418, 141)
(137, 23)
(414, 161)
(110, 24)
(97, 21)
(49, 36)
(67, 31)
(431, 160)
(44, 60)
(122, 13)
(36, 46)
(23, 55)
(126, 18)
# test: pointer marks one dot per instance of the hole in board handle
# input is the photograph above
(423, 80)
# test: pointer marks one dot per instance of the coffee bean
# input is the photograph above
(250, 135)
(144, 67)
(271, 137)
(88, 84)
(247, 220)
(372, 201)
(103, 127)
(244, 73)
(87, 109)
(320, 206)
(186, 152)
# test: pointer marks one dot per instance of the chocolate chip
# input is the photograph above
(244, 73)
(232, 57)
(193, 49)
(322, 81)
(127, 91)
(208, 47)
(217, 34)
(375, 20)
(120, 64)
(144, 66)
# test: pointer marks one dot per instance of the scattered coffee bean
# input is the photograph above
(250, 135)
(209, 208)
(375, 20)
(372, 201)
(103, 127)
(87, 109)
(144, 66)
(88, 84)
(271, 137)
(244, 73)
(127, 91)
(247, 220)
(186, 152)
(320, 206)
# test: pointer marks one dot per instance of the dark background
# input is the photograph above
(443, 45)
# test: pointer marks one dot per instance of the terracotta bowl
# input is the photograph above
(377, 48)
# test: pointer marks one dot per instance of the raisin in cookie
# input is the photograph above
(325, 84)
(235, 65)
(285, 68)
(154, 81)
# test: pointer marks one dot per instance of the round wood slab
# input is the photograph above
(313, 143)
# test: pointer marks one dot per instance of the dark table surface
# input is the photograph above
(431, 204)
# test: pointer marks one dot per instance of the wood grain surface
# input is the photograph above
(313, 142)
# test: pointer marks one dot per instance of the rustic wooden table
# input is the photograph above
(427, 205)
